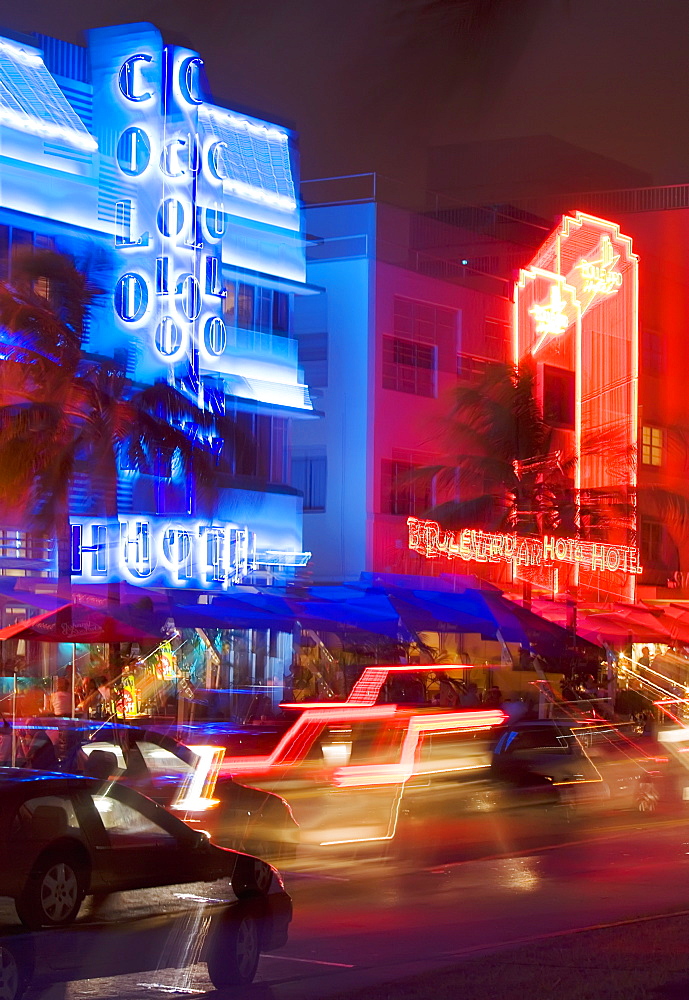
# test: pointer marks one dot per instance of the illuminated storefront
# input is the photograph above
(189, 215)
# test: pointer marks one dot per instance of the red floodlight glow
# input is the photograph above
(474, 545)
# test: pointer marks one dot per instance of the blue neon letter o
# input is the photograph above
(133, 151)
(215, 336)
(131, 297)
(171, 217)
(189, 292)
(168, 337)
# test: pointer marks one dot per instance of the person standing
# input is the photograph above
(470, 697)
(89, 705)
(61, 699)
(106, 696)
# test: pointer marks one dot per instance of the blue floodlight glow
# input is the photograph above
(181, 195)
(31, 101)
(251, 157)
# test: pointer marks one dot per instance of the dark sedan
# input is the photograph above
(63, 838)
(588, 764)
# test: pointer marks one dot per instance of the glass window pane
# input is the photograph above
(230, 303)
(121, 820)
(46, 818)
(280, 312)
(245, 307)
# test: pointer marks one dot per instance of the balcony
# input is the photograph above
(267, 346)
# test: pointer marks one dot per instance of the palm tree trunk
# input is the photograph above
(63, 543)
(110, 478)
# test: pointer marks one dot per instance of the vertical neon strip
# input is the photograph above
(578, 405)
(558, 253)
(634, 416)
(515, 361)
(515, 324)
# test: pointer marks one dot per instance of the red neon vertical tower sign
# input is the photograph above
(576, 316)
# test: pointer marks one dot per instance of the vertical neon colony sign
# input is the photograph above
(169, 233)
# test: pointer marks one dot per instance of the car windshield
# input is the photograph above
(159, 760)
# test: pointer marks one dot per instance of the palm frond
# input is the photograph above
(492, 513)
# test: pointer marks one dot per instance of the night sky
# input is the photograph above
(370, 84)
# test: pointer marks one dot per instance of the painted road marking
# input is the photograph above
(311, 961)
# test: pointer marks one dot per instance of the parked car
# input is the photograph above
(65, 837)
(588, 763)
(182, 779)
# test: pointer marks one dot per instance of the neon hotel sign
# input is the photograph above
(473, 545)
(147, 550)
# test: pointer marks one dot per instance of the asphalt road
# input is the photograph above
(373, 920)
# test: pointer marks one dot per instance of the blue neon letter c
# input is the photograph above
(127, 78)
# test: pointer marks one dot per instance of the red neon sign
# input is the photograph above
(474, 545)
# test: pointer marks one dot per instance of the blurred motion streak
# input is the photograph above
(454, 722)
(196, 793)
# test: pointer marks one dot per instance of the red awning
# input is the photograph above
(80, 623)
(623, 624)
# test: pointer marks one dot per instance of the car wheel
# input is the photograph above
(53, 893)
(13, 979)
(234, 956)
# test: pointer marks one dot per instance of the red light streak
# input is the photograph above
(406, 767)
(294, 744)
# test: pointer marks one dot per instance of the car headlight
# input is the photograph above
(195, 804)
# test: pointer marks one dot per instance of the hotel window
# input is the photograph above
(264, 310)
(230, 303)
(403, 492)
(652, 353)
(472, 370)
(309, 477)
(652, 537)
(245, 306)
(408, 366)
(558, 397)
(256, 308)
(280, 313)
(422, 321)
(496, 338)
(651, 445)
(15, 241)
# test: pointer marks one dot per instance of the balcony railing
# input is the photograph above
(273, 345)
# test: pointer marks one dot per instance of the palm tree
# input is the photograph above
(60, 413)
(504, 468)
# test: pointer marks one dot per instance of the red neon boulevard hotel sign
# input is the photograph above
(473, 545)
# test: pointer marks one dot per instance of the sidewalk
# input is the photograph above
(646, 959)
